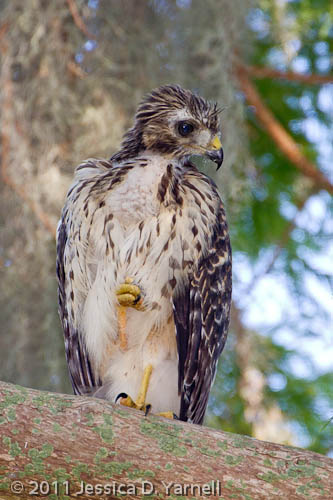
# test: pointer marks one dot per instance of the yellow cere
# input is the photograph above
(216, 143)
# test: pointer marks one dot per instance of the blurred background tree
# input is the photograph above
(72, 74)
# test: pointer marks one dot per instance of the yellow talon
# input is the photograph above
(167, 414)
(129, 295)
(140, 403)
(128, 401)
(127, 288)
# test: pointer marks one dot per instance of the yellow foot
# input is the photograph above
(168, 414)
(140, 403)
(126, 400)
(129, 295)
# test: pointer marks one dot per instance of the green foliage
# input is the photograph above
(288, 35)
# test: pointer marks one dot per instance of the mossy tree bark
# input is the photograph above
(62, 446)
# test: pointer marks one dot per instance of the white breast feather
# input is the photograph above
(133, 201)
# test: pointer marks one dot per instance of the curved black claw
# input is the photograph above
(121, 395)
(147, 410)
(137, 299)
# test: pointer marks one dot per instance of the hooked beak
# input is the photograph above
(215, 151)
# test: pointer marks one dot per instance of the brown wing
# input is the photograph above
(201, 313)
(76, 274)
(80, 370)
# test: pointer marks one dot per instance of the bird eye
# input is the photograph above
(185, 128)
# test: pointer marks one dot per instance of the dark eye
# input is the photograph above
(185, 128)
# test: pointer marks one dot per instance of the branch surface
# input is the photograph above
(80, 447)
(265, 72)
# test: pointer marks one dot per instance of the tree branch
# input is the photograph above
(75, 69)
(264, 72)
(280, 136)
(54, 444)
(78, 19)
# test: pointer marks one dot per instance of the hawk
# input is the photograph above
(144, 263)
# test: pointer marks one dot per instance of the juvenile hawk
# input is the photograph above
(144, 263)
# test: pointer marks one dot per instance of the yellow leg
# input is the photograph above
(141, 400)
(140, 403)
(128, 295)
(122, 327)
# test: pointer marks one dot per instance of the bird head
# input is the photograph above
(176, 123)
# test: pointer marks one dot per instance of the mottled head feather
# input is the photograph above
(150, 130)
(167, 98)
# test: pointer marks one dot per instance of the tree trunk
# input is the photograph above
(62, 446)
